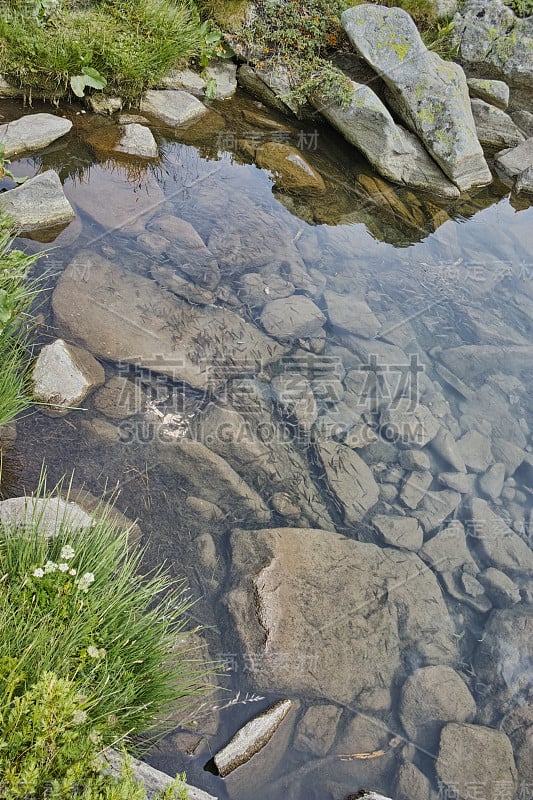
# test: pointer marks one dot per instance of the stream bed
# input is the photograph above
(318, 407)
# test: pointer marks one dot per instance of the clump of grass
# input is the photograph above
(131, 43)
(87, 655)
(297, 36)
(16, 296)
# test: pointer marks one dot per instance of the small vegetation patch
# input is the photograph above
(297, 36)
(128, 44)
(522, 8)
(87, 658)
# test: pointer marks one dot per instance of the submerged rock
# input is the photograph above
(292, 318)
(292, 172)
(214, 480)
(393, 151)
(63, 376)
(499, 545)
(430, 94)
(352, 314)
(399, 531)
(32, 132)
(431, 697)
(340, 593)
(38, 203)
(174, 108)
(122, 316)
(186, 250)
(350, 480)
(472, 755)
(251, 738)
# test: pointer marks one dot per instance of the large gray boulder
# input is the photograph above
(329, 617)
(494, 41)
(430, 94)
(32, 133)
(135, 321)
(39, 203)
(393, 151)
(172, 107)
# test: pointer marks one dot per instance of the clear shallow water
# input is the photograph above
(436, 277)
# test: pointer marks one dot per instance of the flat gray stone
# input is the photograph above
(39, 203)
(214, 480)
(349, 479)
(63, 375)
(352, 314)
(491, 91)
(317, 729)
(137, 140)
(499, 545)
(472, 755)
(494, 127)
(292, 318)
(512, 162)
(431, 697)
(399, 531)
(224, 72)
(408, 422)
(500, 588)
(154, 780)
(431, 94)
(491, 483)
(185, 79)
(445, 446)
(414, 460)
(475, 450)
(415, 487)
(436, 507)
(447, 551)
(174, 108)
(393, 151)
(32, 132)
(524, 182)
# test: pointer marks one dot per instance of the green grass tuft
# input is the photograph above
(131, 43)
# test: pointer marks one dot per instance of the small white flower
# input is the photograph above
(67, 552)
(38, 573)
(72, 572)
(63, 567)
(85, 581)
(50, 566)
(79, 717)
(93, 652)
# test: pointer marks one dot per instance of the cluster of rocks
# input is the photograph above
(417, 495)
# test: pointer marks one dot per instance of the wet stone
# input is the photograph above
(445, 446)
(292, 317)
(457, 481)
(415, 487)
(187, 250)
(256, 289)
(137, 140)
(120, 398)
(352, 314)
(399, 531)
(475, 450)
(414, 460)
(474, 755)
(39, 203)
(174, 108)
(324, 579)
(63, 376)
(32, 132)
(436, 507)
(169, 279)
(412, 784)
(498, 544)
(291, 171)
(316, 730)
(349, 480)
(409, 423)
(491, 483)
(294, 394)
(500, 588)
(431, 697)
(448, 551)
